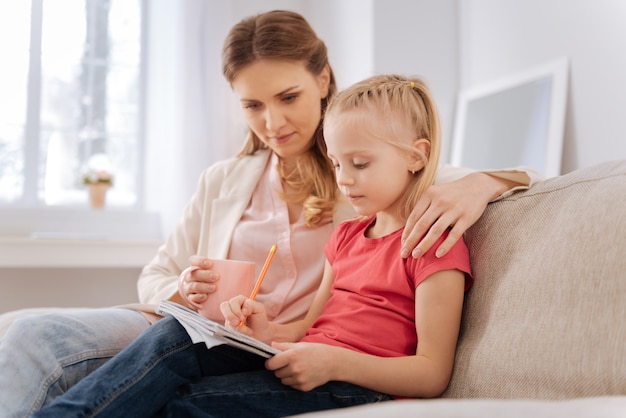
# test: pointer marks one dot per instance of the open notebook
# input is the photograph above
(201, 329)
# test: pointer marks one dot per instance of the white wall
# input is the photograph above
(455, 44)
(420, 37)
(67, 287)
(499, 37)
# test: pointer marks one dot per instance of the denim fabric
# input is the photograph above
(259, 394)
(162, 373)
(41, 356)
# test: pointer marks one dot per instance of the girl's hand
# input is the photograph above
(197, 281)
(248, 317)
(303, 366)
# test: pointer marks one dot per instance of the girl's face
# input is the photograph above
(372, 173)
(281, 101)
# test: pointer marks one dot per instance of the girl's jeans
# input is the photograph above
(42, 356)
(162, 373)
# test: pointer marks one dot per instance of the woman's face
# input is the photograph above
(281, 101)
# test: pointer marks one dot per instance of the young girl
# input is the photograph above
(380, 326)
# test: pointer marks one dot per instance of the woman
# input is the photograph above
(280, 189)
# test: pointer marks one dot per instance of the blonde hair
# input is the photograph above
(285, 35)
(394, 96)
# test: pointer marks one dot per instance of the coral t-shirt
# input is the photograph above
(372, 304)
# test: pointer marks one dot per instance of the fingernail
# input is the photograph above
(417, 253)
(404, 253)
(440, 252)
(205, 262)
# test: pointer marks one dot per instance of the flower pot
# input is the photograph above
(97, 195)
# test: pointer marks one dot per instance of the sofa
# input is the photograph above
(544, 326)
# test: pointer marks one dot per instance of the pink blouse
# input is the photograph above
(297, 267)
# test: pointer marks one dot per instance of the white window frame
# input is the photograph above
(31, 218)
(34, 235)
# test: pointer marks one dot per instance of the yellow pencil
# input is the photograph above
(257, 286)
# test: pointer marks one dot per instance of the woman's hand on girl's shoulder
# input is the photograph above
(456, 205)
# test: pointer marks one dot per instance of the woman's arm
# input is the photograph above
(457, 203)
(438, 307)
(159, 278)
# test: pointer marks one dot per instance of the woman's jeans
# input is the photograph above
(41, 356)
(162, 373)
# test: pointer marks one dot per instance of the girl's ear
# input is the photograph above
(323, 80)
(419, 157)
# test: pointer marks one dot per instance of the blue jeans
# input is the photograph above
(162, 373)
(42, 355)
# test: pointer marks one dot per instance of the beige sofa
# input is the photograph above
(544, 327)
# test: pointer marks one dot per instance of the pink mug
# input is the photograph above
(235, 278)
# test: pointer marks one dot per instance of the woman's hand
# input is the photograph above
(303, 366)
(457, 204)
(197, 281)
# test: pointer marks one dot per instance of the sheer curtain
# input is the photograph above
(189, 117)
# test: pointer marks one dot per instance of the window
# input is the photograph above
(70, 96)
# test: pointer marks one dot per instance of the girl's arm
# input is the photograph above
(438, 306)
(258, 326)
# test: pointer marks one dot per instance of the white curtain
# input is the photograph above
(188, 122)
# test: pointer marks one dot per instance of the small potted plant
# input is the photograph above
(98, 181)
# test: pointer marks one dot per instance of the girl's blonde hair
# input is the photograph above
(285, 35)
(394, 96)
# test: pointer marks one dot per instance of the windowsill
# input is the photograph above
(62, 237)
(75, 252)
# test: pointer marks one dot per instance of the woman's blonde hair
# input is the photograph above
(392, 97)
(285, 35)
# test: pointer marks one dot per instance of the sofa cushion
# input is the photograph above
(546, 317)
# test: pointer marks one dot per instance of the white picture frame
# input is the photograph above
(517, 120)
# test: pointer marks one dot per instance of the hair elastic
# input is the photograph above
(412, 84)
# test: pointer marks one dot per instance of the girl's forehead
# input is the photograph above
(350, 128)
(368, 123)
(358, 119)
